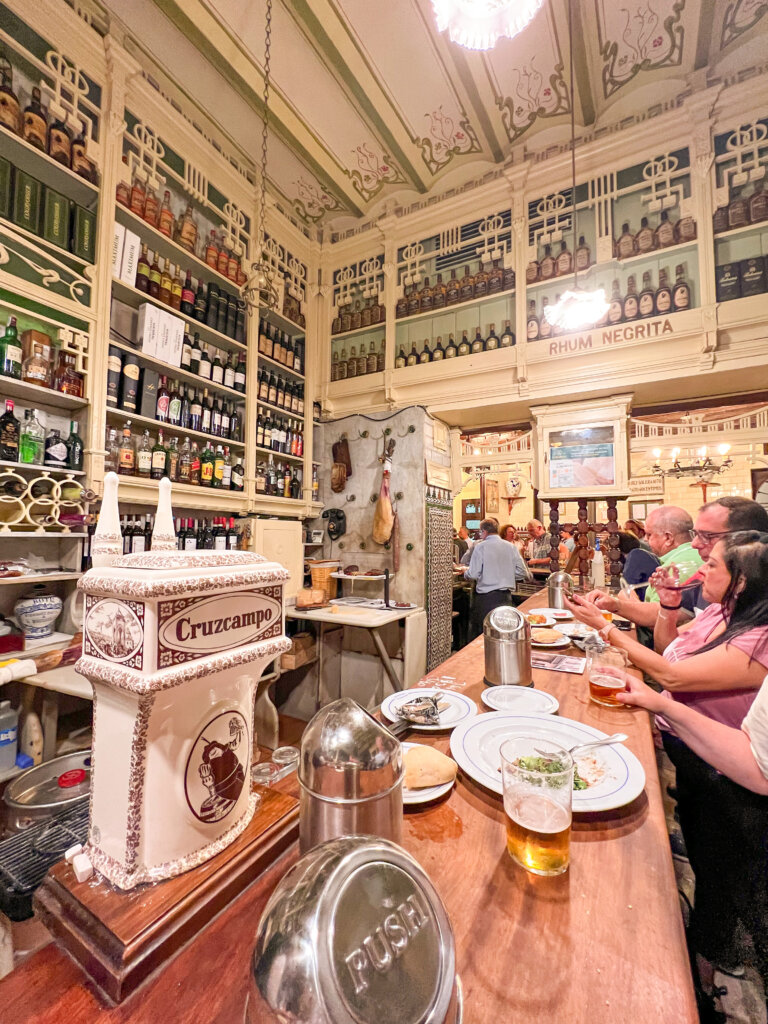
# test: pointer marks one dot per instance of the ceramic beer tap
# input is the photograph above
(163, 532)
(174, 644)
(107, 542)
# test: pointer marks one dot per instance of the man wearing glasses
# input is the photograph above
(715, 520)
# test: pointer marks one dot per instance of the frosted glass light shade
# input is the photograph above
(478, 24)
(577, 309)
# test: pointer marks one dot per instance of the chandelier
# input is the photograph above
(479, 24)
(702, 465)
(576, 308)
(259, 290)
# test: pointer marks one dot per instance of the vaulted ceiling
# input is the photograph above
(371, 103)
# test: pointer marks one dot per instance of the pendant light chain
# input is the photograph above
(573, 141)
(265, 127)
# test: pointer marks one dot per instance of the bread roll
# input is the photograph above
(546, 636)
(425, 766)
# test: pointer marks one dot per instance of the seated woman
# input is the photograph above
(714, 665)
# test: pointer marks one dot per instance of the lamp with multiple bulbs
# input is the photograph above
(479, 24)
(701, 466)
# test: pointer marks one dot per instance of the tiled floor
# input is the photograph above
(744, 1001)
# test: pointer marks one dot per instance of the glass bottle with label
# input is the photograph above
(10, 431)
(425, 297)
(439, 293)
(10, 351)
(151, 207)
(645, 303)
(581, 257)
(495, 279)
(352, 362)
(163, 401)
(187, 230)
(194, 465)
(564, 262)
(212, 250)
(346, 319)
(425, 356)
(75, 447)
(545, 327)
(142, 270)
(205, 366)
(68, 381)
(155, 276)
(644, 239)
(138, 195)
(481, 283)
(31, 439)
(631, 307)
(466, 286)
(341, 371)
(616, 306)
(356, 319)
(451, 351)
(185, 458)
(681, 293)
(229, 371)
(60, 142)
(373, 358)
(547, 264)
(738, 210)
(414, 301)
(625, 243)
(362, 361)
(665, 232)
(34, 123)
(685, 229)
(438, 352)
(380, 357)
(165, 218)
(81, 163)
(260, 480)
(492, 341)
(157, 468)
(174, 404)
(10, 111)
(532, 324)
(217, 368)
(127, 462)
(176, 288)
(400, 359)
(452, 289)
(166, 283)
(144, 455)
(206, 466)
(238, 475)
(532, 272)
(218, 467)
(507, 339)
(758, 203)
(663, 298)
(478, 345)
(56, 455)
(172, 460)
(464, 346)
(413, 355)
(401, 310)
(240, 375)
(36, 369)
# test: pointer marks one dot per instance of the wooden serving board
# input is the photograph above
(119, 938)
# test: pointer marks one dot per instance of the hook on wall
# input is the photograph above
(411, 430)
(349, 497)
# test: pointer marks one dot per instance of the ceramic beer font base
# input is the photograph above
(174, 644)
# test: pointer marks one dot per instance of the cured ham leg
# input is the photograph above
(383, 516)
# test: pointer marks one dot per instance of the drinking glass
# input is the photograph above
(601, 673)
(537, 779)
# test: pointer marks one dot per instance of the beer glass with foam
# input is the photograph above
(604, 674)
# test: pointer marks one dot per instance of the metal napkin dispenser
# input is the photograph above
(355, 933)
(559, 586)
(174, 645)
(351, 777)
(507, 643)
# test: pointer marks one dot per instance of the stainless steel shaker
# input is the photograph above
(507, 645)
(351, 777)
(559, 586)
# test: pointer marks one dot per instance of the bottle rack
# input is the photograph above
(18, 512)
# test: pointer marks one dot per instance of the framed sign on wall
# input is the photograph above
(491, 496)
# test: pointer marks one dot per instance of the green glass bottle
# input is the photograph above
(206, 466)
(10, 351)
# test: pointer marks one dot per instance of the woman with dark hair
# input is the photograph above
(714, 665)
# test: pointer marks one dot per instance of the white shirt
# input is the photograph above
(496, 565)
(755, 725)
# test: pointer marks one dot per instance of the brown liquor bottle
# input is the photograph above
(533, 322)
(508, 279)
(81, 162)
(376, 311)
(495, 279)
(681, 293)
(645, 303)
(123, 190)
(34, 124)
(616, 307)
(663, 298)
(582, 255)
(426, 353)
(439, 294)
(466, 286)
(10, 111)
(644, 239)
(545, 327)
(631, 306)
(547, 264)
(478, 345)
(401, 309)
(481, 283)
(665, 232)
(720, 220)
(758, 203)
(60, 142)
(532, 272)
(625, 243)
(452, 290)
(357, 317)
(685, 229)
(464, 346)
(165, 218)
(425, 297)
(414, 301)
(151, 207)
(138, 197)
(564, 262)
(346, 319)
(738, 210)
(365, 315)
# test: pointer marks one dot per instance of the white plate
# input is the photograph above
(549, 619)
(459, 709)
(475, 746)
(519, 700)
(423, 796)
(575, 629)
(556, 613)
(553, 646)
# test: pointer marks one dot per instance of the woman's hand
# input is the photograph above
(585, 611)
(607, 602)
(666, 586)
(638, 694)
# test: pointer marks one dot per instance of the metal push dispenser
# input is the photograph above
(351, 777)
(559, 586)
(174, 645)
(355, 933)
(507, 645)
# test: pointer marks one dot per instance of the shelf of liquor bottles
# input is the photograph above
(141, 491)
(177, 373)
(273, 363)
(171, 429)
(281, 411)
(34, 395)
(651, 259)
(35, 162)
(278, 455)
(132, 297)
(741, 261)
(448, 340)
(284, 323)
(499, 359)
(34, 468)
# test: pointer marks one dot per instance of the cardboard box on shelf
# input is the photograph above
(296, 658)
(130, 261)
(118, 244)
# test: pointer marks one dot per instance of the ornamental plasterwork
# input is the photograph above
(534, 96)
(740, 16)
(638, 37)
(51, 274)
(447, 138)
(374, 170)
(312, 202)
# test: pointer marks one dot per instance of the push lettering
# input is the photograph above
(379, 950)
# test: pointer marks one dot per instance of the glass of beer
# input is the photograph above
(603, 673)
(537, 777)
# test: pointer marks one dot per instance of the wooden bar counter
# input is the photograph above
(602, 944)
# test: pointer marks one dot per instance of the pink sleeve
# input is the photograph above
(754, 643)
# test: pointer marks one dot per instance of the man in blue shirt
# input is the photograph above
(496, 566)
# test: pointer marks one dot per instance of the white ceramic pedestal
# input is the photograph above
(174, 645)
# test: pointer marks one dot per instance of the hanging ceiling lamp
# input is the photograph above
(478, 24)
(577, 308)
(259, 291)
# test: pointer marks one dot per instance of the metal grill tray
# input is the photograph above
(26, 857)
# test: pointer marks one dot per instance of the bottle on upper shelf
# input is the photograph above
(582, 255)
(438, 352)
(36, 369)
(34, 123)
(645, 302)
(532, 272)
(663, 297)
(425, 356)
(425, 297)
(532, 323)
(67, 379)
(60, 142)
(481, 282)
(400, 359)
(495, 278)
(645, 240)
(664, 235)
(631, 305)
(685, 229)
(464, 345)
(681, 291)
(491, 342)
(545, 327)
(507, 339)
(151, 207)
(738, 210)
(478, 345)
(413, 356)
(564, 262)
(165, 219)
(186, 232)
(352, 362)
(439, 294)
(10, 110)
(414, 301)
(624, 245)
(547, 264)
(466, 286)
(138, 196)
(11, 351)
(758, 203)
(356, 319)
(451, 351)
(452, 291)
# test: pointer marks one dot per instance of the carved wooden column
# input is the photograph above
(613, 554)
(554, 536)
(582, 541)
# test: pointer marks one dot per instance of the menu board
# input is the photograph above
(582, 458)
